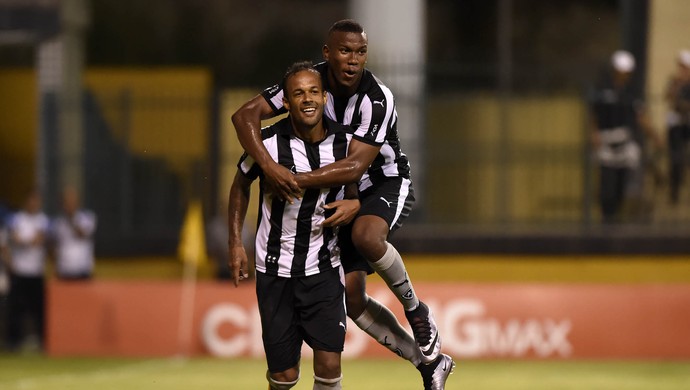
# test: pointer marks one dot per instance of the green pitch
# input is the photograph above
(35, 372)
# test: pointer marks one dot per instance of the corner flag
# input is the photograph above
(192, 247)
(192, 252)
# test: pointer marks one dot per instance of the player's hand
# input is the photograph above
(345, 212)
(238, 264)
(281, 183)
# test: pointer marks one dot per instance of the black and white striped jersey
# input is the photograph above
(371, 113)
(290, 240)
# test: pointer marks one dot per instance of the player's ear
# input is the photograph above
(325, 97)
(286, 104)
(325, 52)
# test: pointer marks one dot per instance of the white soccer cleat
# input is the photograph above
(425, 332)
(435, 374)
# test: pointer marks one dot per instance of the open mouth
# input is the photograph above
(350, 73)
(309, 110)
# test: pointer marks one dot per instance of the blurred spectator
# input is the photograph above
(620, 124)
(27, 231)
(678, 122)
(217, 243)
(217, 247)
(72, 232)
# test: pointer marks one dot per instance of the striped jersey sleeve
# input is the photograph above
(274, 97)
(248, 167)
(377, 115)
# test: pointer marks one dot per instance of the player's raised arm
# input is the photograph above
(247, 121)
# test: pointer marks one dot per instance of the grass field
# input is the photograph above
(41, 373)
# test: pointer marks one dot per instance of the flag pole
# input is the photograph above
(192, 252)
(186, 321)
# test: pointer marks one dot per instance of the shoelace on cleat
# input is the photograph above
(421, 329)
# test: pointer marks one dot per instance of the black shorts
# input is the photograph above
(293, 310)
(391, 200)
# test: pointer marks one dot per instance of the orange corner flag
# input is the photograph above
(192, 247)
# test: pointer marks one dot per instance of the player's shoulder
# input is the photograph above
(322, 67)
(335, 127)
(283, 126)
(373, 87)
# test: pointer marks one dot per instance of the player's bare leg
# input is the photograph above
(327, 370)
(370, 235)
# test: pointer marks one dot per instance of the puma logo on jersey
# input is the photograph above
(378, 102)
(387, 202)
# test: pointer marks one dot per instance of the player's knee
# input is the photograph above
(327, 368)
(355, 301)
(370, 240)
(354, 309)
(283, 382)
(327, 384)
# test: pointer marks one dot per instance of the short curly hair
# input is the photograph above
(298, 67)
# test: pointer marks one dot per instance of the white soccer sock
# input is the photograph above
(277, 385)
(327, 384)
(381, 324)
(392, 270)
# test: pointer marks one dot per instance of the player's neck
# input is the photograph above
(310, 134)
(339, 90)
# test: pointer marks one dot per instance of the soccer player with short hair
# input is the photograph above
(299, 279)
(374, 160)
